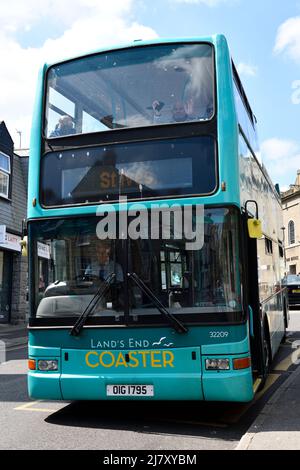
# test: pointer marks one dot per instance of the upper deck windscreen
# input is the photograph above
(134, 87)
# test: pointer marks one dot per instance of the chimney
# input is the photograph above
(297, 182)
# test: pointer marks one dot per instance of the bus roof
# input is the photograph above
(213, 39)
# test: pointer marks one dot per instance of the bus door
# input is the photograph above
(252, 295)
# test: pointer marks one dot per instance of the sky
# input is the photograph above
(263, 35)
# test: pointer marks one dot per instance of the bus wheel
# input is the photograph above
(285, 319)
(286, 323)
(267, 357)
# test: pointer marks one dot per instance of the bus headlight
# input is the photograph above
(47, 364)
(217, 364)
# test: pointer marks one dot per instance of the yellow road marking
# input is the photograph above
(270, 381)
(28, 407)
(256, 385)
(285, 364)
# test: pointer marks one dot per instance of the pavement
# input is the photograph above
(13, 336)
(277, 427)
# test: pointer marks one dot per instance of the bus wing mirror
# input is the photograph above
(254, 224)
(254, 228)
(23, 244)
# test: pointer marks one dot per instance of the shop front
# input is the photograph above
(10, 254)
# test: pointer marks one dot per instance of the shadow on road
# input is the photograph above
(186, 418)
(228, 421)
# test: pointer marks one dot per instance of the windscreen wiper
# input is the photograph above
(91, 306)
(179, 327)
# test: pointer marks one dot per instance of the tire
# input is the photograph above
(267, 356)
(285, 320)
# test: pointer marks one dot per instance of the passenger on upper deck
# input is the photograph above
(63, 127)
(178, 113)
(157, 116)
(182, 111)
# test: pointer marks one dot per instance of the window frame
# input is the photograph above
(133, 199)
(291, 239)
(237, 317)
(7, 173)
(116, 130)
(268, 246)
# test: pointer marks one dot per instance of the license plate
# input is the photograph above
(130, 390)
(296, 291)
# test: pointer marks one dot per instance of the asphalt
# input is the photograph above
(277, 427)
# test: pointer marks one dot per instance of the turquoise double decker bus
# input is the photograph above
(150, 278)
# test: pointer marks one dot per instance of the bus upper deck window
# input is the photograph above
(134, 87)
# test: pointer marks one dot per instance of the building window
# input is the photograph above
(4, 174)
(268, 246)
(293, 269)
(281, 251)
(291, 230)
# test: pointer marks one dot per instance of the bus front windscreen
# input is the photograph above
(133, 87)
(69, 264)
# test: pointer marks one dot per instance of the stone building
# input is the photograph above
(13, 206)
(291, 219)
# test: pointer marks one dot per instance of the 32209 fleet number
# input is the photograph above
(218, 334)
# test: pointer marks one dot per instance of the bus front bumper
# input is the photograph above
(180, 374)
